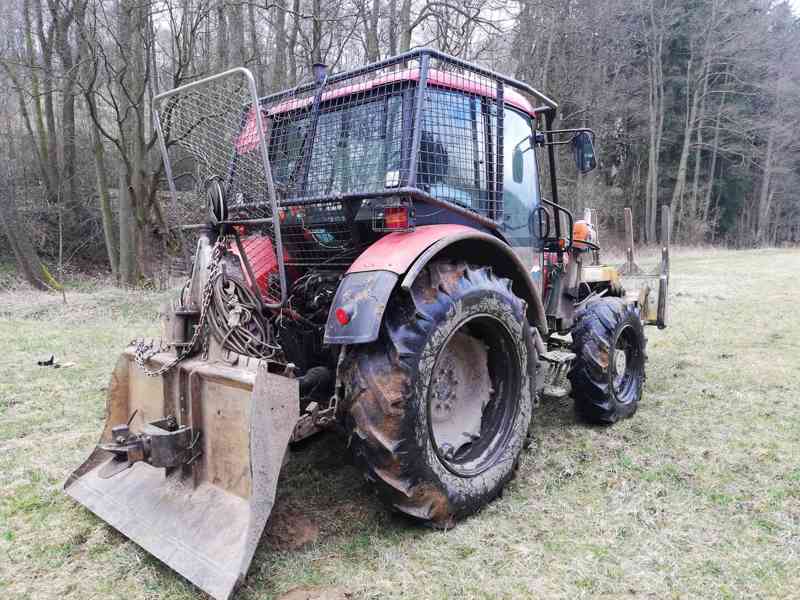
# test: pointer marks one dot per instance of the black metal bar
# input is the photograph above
(490, 144)
(565, 142)
(407, 127)
(497, 209)
(419, 108)
(551, 155)
(476, 157)
(550, 117)
(308, 147)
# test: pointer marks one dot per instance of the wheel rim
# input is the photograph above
(626, 364)
(473, 396)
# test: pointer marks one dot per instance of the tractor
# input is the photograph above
(376, 256)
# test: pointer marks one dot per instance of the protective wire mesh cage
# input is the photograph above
(200, 129)
(348, 149)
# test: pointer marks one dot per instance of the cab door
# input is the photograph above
(520, 186)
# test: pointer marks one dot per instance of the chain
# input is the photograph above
(145, 352)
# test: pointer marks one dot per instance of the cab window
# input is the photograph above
(520, 180)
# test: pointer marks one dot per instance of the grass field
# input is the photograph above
(697, 496)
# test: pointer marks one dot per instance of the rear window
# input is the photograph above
(356, 148)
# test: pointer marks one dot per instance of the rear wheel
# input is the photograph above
(608, 373)
(438, 408)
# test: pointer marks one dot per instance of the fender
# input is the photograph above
(366, 287)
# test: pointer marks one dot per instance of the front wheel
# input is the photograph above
(608, 373)
(439, 407)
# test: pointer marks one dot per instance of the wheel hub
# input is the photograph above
(460, 390)
(620, 365)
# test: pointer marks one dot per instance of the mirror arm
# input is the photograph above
(550, 142)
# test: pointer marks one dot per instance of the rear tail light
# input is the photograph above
(342, 316)
(395, 217)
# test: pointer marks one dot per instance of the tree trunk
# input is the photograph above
(239, 54)
(292, 47)
(764, 194)
(316, 31)
(392, 25)
(46, 44)
(48, 169)
(683, 162)
(698, 158)
(98, 153)
(281, 45)
(28, 262)
(127, 269)
(63, 18)
(405, 26)
(255, 47)
(222, 37)
(371, 33)
(656, 117)
(712, 169)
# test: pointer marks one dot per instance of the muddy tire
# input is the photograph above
(438, 408)
(608, 373)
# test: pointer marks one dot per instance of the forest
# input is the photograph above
(695, 104)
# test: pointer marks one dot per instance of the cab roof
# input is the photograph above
(437, 78)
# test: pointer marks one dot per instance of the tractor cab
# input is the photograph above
(356, 157)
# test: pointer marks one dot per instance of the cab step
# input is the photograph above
(556, 385)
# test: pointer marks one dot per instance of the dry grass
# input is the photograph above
(697, 496)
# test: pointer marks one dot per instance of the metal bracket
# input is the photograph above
(163, 444)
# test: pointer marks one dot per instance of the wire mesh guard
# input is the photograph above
(421, 126)
(200, 126)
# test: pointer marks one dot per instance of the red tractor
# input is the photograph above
(378, 257)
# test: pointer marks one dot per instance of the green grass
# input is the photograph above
(697, 496)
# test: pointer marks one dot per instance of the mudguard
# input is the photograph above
(365, 290)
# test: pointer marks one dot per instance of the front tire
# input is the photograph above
(438, 408)
(608, 373)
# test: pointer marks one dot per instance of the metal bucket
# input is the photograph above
(200, 494)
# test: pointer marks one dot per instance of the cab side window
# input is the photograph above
(520, 178)
(452, 154)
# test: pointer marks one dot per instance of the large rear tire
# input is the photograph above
(438, 408)
(608, 373)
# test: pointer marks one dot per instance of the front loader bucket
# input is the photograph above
(203, 515)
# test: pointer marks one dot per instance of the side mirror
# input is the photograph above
(583, 146)
(517, 165)
(539, 223)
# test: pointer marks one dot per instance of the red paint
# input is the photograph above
(397, 251)
(263, 261)
(248, 139)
